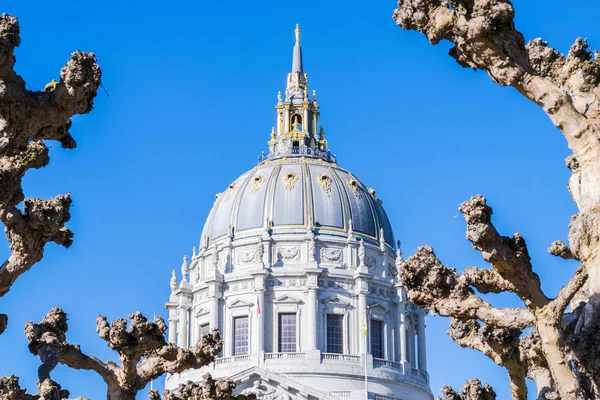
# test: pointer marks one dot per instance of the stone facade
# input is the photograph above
(297, 261)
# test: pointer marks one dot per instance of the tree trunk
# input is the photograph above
(565, 379)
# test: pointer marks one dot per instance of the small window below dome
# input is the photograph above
(240, 336)
(287, 333)
(203, 330)
(376, 338)
(335, 333)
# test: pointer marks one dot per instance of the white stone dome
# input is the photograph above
(293, 194)
(297, 270)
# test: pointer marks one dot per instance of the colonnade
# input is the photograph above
(406, 326)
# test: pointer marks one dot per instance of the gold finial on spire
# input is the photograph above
(297, 31)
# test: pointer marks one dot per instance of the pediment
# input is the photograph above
(201, 311)
(378, 307)
(268, 385)
(287, 299)
(336, 300)
(240, 304)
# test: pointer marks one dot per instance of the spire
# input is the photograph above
(296, 133)
(297, 58)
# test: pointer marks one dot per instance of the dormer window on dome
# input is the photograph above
(297, 132)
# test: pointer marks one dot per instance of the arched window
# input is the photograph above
(296, 122)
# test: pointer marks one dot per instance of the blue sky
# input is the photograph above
(192, 87)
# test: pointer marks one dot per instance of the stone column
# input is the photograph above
(311, 317)
(182, 335)
(421, 342)
(411, 344)
(260, 322)
(362, 277)
(313, 353)
(362, 309)
(402, 334)
(173, 330)
(213, 322)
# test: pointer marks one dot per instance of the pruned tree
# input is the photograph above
(471, 390)
(560, 353)
(144, 354)
(27, 120)
(208, 390)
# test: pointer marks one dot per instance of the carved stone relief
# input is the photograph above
(331, 255)
(288, 253)
(263, 392)
(371, 262)
(246, 257)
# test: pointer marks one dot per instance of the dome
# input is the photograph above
(295, 194)
(297, 269)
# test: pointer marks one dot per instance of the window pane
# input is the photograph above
(202, 330)
(376, 338)
(335, 333)
(287, 333)
(240, 335)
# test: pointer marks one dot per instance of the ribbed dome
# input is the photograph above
(295, 194)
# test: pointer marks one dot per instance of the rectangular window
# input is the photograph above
(335, 333)
(203, 330)
(376, 338)
(287, 333)
(240, 336)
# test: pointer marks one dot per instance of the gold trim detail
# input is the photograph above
(353, 183)
(230, 190)
(257, 182)
(290, 180)
(325, 182)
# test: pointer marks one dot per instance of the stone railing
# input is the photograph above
(285, 356)
(339, 393)
(382, 397)
(234, 359)
(299, 150)
(341, 357)
(420, 375)
(380, 362)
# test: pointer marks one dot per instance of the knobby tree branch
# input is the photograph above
(498, 332)
(471, 390)
(208, 390)
(28, 119)
(144, 354)
(567, 88)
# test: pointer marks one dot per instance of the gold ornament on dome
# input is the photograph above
(229, 191)
(257, 183)
(354, 186)
(290, 180)
(325, 182)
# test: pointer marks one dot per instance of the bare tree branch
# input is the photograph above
(208, 390)
(27, 119)
(471, 390)
(143, 352)
(430, 284)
